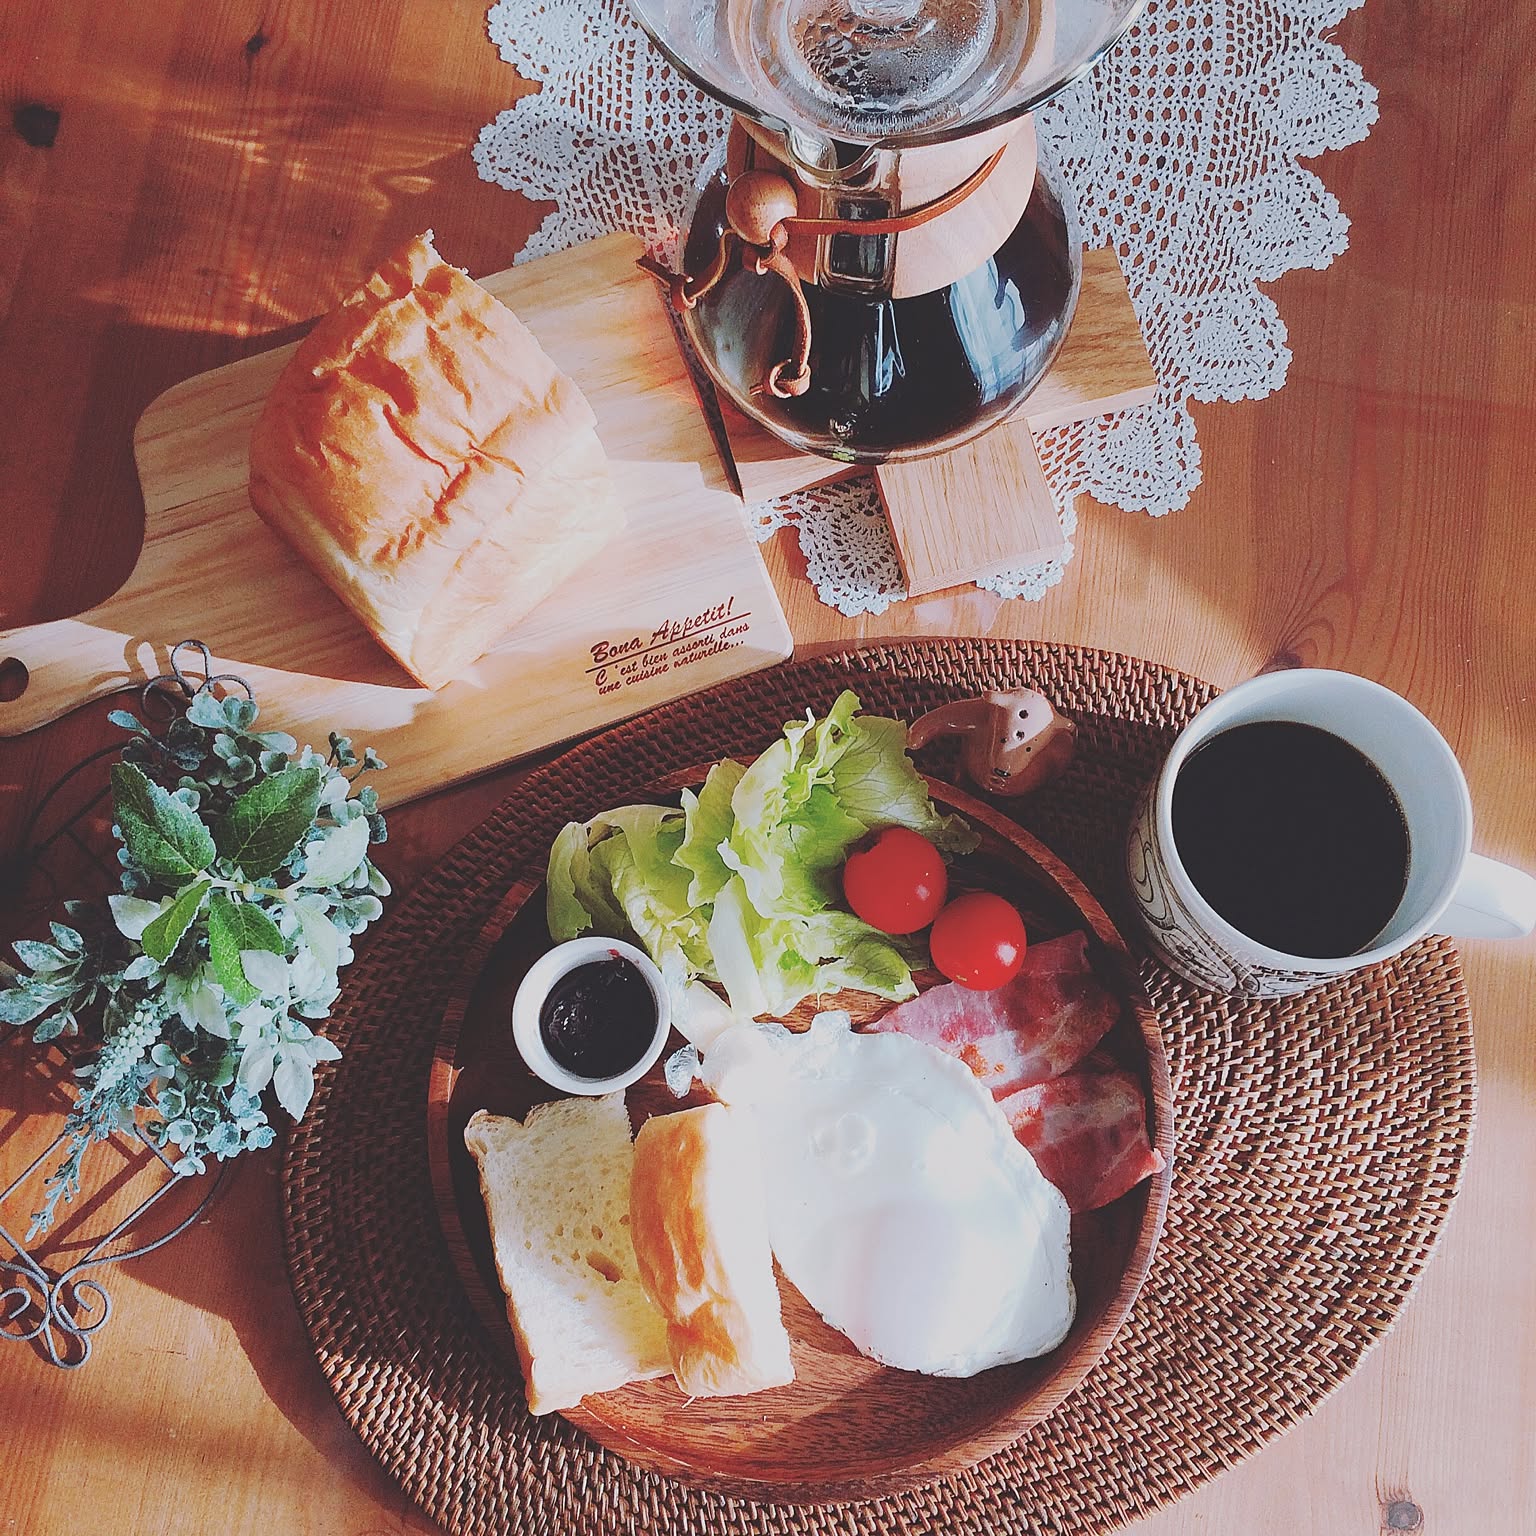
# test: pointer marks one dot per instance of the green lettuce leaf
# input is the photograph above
(862, 958)
(742, 885)
(576, 899)
(652, 890)
(707, 818)
(616, 875)
(792, 866)
(763, 970)
(801, 807)
(875, 783)
(770, 964)
(791, 833)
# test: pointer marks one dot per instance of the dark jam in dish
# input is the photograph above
(599, 1018)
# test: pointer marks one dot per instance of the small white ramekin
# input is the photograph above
(540, 981)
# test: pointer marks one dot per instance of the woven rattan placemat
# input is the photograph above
(1319, 1146)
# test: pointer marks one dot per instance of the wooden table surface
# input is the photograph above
(180, 182)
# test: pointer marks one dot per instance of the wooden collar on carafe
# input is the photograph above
(945, 235)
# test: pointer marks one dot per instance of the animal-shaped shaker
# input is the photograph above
(1015, 742)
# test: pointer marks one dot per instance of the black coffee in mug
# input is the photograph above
(1293, 836)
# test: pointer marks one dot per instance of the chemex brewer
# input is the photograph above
(883, 267)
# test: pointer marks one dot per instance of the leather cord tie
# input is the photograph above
(760, 214)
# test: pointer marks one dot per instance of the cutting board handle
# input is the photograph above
(70, 662)
(67, 664)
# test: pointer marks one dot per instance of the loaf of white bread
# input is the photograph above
(556, 1190)
(623, 1260)
(431, 464)
(699, 1223)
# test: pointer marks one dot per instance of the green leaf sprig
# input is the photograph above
(245, 877)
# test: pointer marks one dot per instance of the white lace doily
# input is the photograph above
(1181, 147)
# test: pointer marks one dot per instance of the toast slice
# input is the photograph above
(699, 1224)
(556, 1189)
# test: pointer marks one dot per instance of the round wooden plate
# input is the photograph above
(846, 1427)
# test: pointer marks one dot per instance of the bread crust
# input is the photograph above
(479, 1137)
(699, 1228)
(430, 462)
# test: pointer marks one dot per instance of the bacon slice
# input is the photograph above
(1087, 1131)
(1038, 1025)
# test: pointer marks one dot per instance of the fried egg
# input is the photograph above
(900, 1204)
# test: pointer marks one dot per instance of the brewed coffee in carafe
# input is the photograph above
(893, 378)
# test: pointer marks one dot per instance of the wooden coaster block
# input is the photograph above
(978, 509)
(1103, 366)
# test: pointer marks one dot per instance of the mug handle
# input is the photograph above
(1491, 901)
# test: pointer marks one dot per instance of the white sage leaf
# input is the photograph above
(253, 1021)
(310, 975)
(133, 915)
(337, 854)
(203, 1008)
(256, 1067)
(265, 970)
(335, 790)
(324, 1050)
(321, 937)
(294, 1081)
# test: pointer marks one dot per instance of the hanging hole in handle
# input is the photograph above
(14, 678)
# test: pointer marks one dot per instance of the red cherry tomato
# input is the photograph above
(978, 940)
(896, 881)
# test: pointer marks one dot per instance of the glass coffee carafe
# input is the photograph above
(882, 268)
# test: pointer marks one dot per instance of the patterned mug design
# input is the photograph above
(1176, 933)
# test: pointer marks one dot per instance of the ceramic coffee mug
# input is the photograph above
(1449, 889)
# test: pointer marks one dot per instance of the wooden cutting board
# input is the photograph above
(678, 602)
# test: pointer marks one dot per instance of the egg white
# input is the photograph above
(900, 1204)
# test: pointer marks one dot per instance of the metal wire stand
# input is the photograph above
(62, 1309)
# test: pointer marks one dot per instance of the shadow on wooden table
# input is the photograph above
(224, 1276)
(231, 1264)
